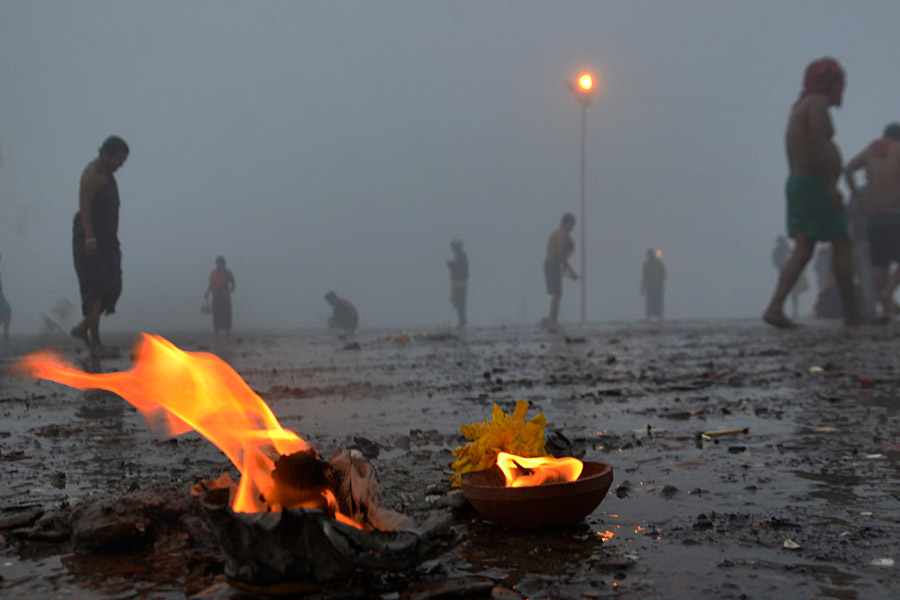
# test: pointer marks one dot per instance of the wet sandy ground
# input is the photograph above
(817, 470)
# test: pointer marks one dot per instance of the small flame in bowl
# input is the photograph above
(521, 472)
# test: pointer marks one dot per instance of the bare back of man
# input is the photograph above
(882, 177)
(881, 161)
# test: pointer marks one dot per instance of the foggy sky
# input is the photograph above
(342, 145)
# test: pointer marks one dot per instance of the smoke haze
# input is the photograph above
(343, 145)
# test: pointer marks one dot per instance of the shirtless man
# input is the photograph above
(815, 206)
(560, 247)
(881, 160)
(95, 243)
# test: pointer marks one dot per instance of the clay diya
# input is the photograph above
(538, 506)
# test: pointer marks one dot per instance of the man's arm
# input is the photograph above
(90, 184)
(858, 162)
(824, 156)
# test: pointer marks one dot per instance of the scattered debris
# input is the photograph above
(711, 435)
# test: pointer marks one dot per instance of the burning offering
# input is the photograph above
(291, 517)
(525, 491)
(521, 472)
(503, 433)
(563, 502)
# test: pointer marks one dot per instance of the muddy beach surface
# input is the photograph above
(804, 503)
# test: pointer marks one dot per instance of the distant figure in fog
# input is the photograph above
(560, 247)
(881, 161)
(780, 255)
(815, 206)
(221, 284)
(343, 313)
(5, 313)
(95, 244)
(653, 282)
(459, 281)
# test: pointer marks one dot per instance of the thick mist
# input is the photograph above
(341, 146)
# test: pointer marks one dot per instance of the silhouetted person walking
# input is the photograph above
(653, 281)
(95, 243)
(881, 161)
(459, 281)
(560, 247)
(221, 284)
(815, 206)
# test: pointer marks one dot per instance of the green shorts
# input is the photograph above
(810, 210)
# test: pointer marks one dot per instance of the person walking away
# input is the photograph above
(652, 283)
(815, 206)
(95, 244)
(221, 285)
(881, 161)
(560, 248)
(459, 281)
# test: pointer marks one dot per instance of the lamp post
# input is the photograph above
(583, 88)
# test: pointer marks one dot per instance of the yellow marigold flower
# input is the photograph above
(503, 433)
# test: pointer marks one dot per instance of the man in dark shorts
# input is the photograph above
(560, 247)
(95, 243)
(881, 202)
(343, 313)
(815, 206)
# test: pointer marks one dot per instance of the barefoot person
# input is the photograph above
(815, 206)
(221, 284)
(95, 243)
(881, 202)
(560, 247)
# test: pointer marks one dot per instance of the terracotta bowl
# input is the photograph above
(548, 505)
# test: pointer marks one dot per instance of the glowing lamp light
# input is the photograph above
(585, 82)
(521, 472)
(659, 254)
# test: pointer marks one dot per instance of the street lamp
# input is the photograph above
(583, 88)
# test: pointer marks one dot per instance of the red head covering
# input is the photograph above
(824, 76)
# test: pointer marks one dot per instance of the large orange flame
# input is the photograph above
(520, 471)
(193, 390)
